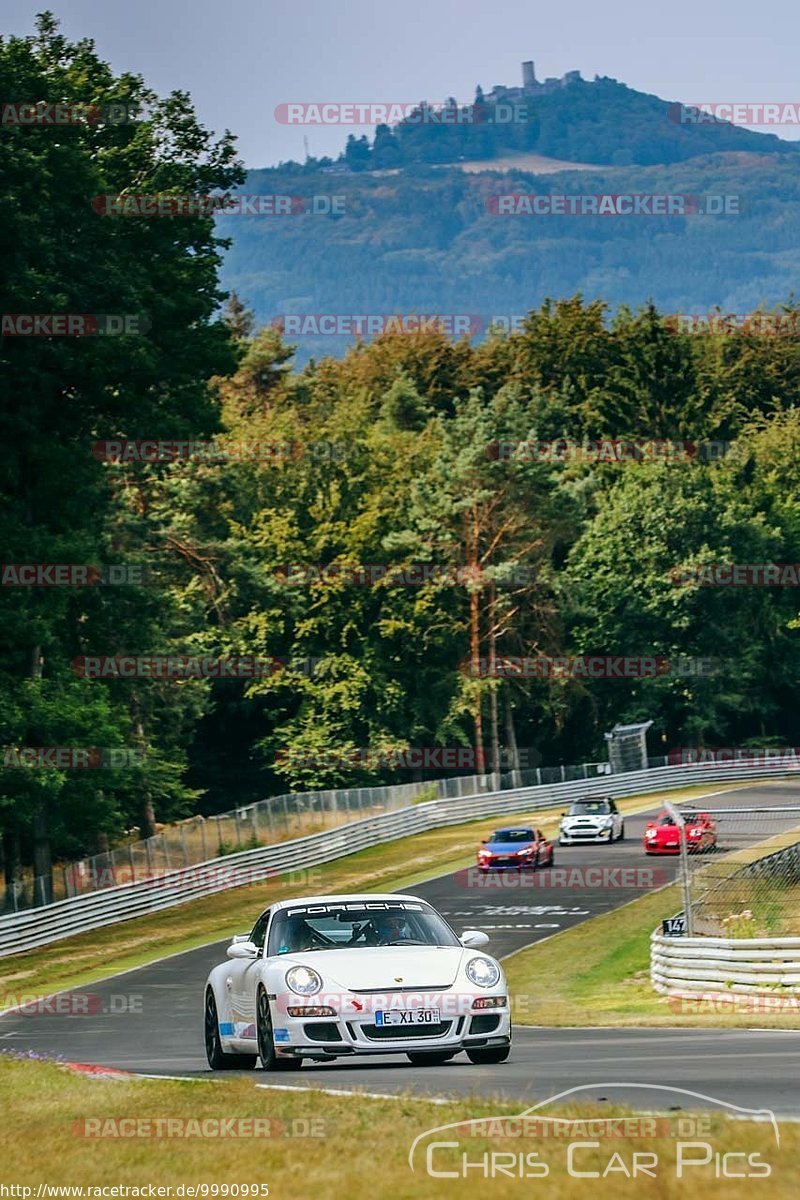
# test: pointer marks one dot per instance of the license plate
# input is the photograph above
(408, 1016)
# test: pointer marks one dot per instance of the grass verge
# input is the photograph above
(598, 974)
(360, 1145)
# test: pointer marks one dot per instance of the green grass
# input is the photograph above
(598, 974)
(361, 1145)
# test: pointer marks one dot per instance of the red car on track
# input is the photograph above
(513, 848)
(663, 835)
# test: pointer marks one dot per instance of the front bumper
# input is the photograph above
(575, 836)
(504, 863)
(692, 847)
(355, 1033)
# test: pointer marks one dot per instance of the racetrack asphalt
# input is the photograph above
(149, 1020)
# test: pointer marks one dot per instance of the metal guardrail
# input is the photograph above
(282, 818)
(49, 923)
(717, 966)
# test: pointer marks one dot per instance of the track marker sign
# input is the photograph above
(674, 926)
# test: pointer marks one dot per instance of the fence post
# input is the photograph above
(133, 864)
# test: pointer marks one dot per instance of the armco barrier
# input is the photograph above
(49, 923)
(719, 966)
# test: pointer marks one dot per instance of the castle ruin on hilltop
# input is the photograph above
(531, 86)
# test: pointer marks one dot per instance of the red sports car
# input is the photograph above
(663, 835)
(512, 849)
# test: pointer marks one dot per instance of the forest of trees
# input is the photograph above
(391, 462)
(430, 240)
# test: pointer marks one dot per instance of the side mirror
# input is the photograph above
(563, 814)
(484, 841)
(242, 950)
(473, 939)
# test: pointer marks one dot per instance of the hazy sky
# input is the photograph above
(240, 60)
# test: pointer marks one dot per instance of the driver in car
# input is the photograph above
(384, 929)
(302, 937)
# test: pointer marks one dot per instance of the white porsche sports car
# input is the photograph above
(329, 976)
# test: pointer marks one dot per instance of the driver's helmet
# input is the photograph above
(300, 936)
(390, 926)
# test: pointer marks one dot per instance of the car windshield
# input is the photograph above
(512, 835)
(589, 808)
(374, 923)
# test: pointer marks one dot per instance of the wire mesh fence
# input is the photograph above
(276, 819)
(744, 870)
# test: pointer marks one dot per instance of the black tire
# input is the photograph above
(552, 862)
(426, 1058)
(489, 1054)
(266, 1042)
(218, 1060)
(621, 837)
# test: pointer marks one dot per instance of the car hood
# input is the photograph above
(508, 847)
(383, 967)
(589, 818)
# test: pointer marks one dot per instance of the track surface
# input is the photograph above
(149, 1020)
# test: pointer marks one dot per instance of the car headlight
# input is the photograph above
(303, 981)
(649, 833)
(483, 972)
(695, 832)
(607, 822)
